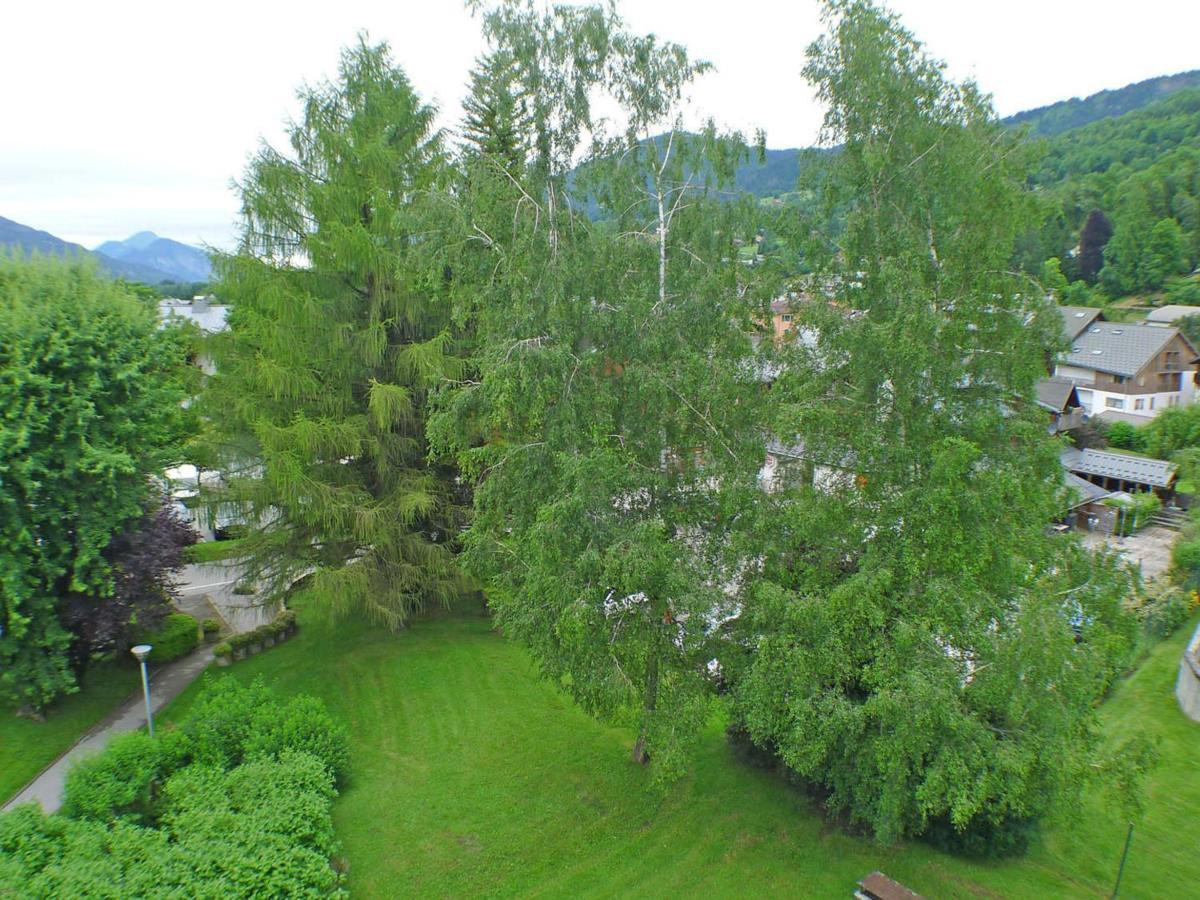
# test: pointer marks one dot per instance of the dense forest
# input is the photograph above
(1047, 121)
(1134, 181)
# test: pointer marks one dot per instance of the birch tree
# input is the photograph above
(608, 422)
(924, 652)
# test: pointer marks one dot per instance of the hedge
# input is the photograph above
(178, 636)
(280, 628)
(234, 802)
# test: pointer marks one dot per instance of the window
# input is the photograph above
(1114, 402)
(1120, 379)
(1139, 404)
(787, 317)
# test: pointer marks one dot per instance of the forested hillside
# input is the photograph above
(1136, 180)
(1047, 121)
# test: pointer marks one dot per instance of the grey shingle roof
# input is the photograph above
(1167, 314)
(1054, 393)
(1076, 319)
(1118, 349)
(1088, 492)
(1138, 469)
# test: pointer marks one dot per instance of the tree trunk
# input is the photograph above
(649, 701)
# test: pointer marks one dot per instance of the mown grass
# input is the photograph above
(207, 552)
(27, 747)
(472, 777)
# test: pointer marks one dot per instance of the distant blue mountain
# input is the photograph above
(30, 240)
(181, 262)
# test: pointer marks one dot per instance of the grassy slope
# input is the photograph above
(470, 776)
(26, 747)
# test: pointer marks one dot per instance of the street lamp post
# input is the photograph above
(141, 651)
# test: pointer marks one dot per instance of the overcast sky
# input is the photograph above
(124, 116)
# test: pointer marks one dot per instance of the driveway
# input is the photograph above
(1149, 549)
(215, 581)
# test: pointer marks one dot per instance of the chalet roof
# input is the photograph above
(1076, 319)
(1055, 394)
(1088, 492)
(1118, 349)
(1136, 469)
(1165, 315)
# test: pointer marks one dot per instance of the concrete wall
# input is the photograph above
(1187, 688)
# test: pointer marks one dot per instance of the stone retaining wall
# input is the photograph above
(1187, 688)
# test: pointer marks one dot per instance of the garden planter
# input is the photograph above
(223, 660)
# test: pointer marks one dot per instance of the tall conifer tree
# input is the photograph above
(339, 329)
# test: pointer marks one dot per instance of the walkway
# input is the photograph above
(166, 683)
(203, 590)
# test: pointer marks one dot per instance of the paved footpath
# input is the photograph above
(166, 683)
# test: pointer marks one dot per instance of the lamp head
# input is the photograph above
(141, 651)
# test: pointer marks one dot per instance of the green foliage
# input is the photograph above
(1053, 280)
(280, 627)
(1186, 292)
(609, 426)
(177, 636)
(120, 782)
(1175, 428)
(923, 652)
(1136, 173)
(1076, 112)
(1163, 612)
(495, 113)
(1137, 509)
(90, 392)
(233, 803)
(322, 377)
(1125, 436)
(211, 628)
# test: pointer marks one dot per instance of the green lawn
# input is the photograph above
(213, 551)
(470, 776)
(27, 747)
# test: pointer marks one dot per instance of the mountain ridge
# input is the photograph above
(182, 262)
(32, 240)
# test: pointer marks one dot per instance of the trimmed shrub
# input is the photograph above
(178, 636)
(234, 803)
(1125, 436)
(120, 782)
(305, 725)
(281, 627)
